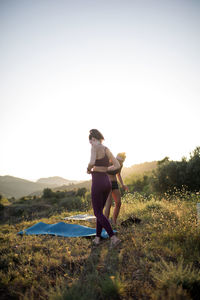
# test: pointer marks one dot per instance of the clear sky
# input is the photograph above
(128, 68)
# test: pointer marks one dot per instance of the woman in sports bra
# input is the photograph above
(101, 186)
(115, 193)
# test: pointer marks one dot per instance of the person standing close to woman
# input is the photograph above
(115, 193)
(101, 186)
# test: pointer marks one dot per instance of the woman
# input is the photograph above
(115, 193)
(101, 186)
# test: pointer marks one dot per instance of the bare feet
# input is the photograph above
(96, 241)
(112, 222)
(114, 241)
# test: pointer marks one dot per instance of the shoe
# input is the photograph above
(96, 241)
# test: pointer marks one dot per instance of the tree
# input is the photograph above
(81, 192)
(163, 161)
(48, 193)
(193, 170)
(176, 174)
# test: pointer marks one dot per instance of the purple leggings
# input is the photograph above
(101, 188)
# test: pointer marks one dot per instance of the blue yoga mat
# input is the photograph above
(62, 229)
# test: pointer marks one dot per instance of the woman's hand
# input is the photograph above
(88, 171)
(125, 188)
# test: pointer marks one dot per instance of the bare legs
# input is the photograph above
(117, 198)
(108, 205)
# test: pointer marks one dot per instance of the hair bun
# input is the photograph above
(94, 133)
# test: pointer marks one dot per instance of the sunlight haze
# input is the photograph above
(131, 69)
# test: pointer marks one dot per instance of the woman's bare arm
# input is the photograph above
(119, 177)
(92, 159)
(115, 163)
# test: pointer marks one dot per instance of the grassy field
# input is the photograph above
(159, 258)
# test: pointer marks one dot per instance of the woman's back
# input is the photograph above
(100, 151)
(102, 159)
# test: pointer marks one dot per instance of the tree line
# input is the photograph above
(170, 175)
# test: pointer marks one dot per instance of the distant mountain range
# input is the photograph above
(55, 181)
(16, 187)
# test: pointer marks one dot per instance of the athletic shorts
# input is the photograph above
(114, 185)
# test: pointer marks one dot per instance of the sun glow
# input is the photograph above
(131, 73)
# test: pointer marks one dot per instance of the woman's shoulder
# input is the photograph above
(108, 152)
(107, 149)
(100, 148)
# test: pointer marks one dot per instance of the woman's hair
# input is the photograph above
(94, 133)
(121, 156)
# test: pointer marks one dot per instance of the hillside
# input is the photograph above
(69, 187)
(56, 181)
(83, 184)
(154, 260)
(17, 187)
(139, 169)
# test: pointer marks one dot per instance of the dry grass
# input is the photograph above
(158, 259)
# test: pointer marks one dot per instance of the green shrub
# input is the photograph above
(1, 207)
(171, 274)
(173, 292)
(112, 288)
(48, 193)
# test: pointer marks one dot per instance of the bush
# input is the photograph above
(48, 193)
(171, 274)
(1, 207)
(81, 192)
(178, 174)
